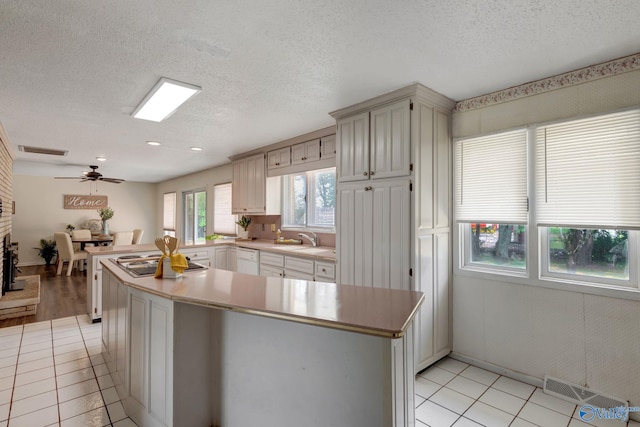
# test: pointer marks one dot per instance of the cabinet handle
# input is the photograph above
(364, 173)
(244, 209)
(372, 173)
(324, 270)
(368, 188)
(334, 151)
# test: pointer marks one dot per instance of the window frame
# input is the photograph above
(215, 201)
(193, 238)
(537, 265)
(169, 231)
(285, 199)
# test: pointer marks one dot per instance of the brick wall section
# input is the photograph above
(6, 188)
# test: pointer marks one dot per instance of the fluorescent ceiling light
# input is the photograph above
(153, 143)
(101, 159)
(196, 148)
(165, 98)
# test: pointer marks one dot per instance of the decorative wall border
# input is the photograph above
(581, 75)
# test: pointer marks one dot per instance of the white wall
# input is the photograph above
(580, 337)
(200, 180)
(40, 212)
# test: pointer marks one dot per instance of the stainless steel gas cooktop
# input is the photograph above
(140, 266)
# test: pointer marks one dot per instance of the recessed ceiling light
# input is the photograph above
(165, 97)
(195, 148)
(153, 143)
(101, 159)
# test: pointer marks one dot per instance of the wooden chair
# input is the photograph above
(137, 236)
(66, 252)
(122, 238)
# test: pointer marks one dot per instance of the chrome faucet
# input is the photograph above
(313, 240)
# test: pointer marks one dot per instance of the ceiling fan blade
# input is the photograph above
(113, 180)
(86, 179)
(66, 177)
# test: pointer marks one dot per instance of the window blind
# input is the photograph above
(588, 172)
(223, 220)
(491, 178)
(169, 212)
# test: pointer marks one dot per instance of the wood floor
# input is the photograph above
(60, 296)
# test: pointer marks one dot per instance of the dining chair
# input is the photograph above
(80, 234)
(67, 253)
(122, 238)
(137, 236)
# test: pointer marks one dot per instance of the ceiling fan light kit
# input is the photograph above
(164, 99)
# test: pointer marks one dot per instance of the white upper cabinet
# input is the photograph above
(375, 144)
(390, 141)
(305, 152)
(353, 148)
(279, 158)
(328, 147)
(249, 185)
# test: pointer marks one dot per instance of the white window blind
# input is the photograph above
(169, 212)
(491, 178)
(223, 220)
(588, 172)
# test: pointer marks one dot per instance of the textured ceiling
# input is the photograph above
(71, 72)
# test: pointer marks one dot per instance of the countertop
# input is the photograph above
(372, 311)
(319, 253)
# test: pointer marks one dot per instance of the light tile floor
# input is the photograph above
(52, 374)
(452, 393)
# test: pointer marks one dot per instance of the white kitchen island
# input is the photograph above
(219, 348)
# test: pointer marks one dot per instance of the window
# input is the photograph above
(491, 199)
(585, 177)
(169, 214)
(588, 197)
(309, 199)
(223, 220)
(195, 216)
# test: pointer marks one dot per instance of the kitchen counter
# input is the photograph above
(223, 348)
(372, 311)
(320, 253)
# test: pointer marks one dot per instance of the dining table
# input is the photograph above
(96, 240)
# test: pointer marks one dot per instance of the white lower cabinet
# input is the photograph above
(373, 239)
(137, 331)
(289, 267)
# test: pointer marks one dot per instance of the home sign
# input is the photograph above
(78, 201)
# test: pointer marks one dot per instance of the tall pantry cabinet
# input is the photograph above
(393, 214)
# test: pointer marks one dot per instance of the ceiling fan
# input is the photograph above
(93, 175)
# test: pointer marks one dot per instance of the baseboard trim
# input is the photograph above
(537, 382)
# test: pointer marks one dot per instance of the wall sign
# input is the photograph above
(78, 201)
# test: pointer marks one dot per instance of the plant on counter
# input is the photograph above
(214, 237)
(47, 250)
(70, 228)
(244, 222)
(105, 213)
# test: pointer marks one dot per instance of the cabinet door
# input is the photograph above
(270, 271)
(239, 186)
(293, 274)
(221, 258)
(256, 185)
(279, 158)
(305, 152)
(232, 260)
(328, 147)
(390, 141)
(373, 234)
(352, 163)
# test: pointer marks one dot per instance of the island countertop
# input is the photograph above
(372, 311)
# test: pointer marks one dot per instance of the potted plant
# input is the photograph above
(244, 222)
(47, 250)
(70, 228)
(105, 215)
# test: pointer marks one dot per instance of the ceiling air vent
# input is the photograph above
(40, 150)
